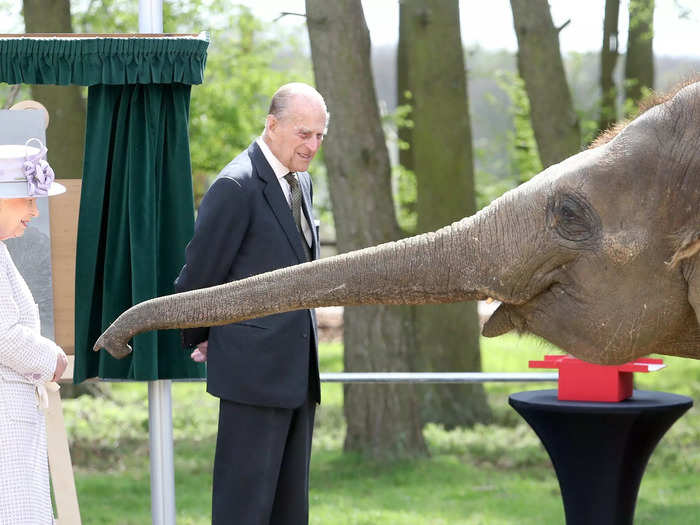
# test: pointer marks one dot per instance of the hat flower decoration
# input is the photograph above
(25, 172)
(38, 172)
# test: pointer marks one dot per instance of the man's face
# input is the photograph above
(296, 137)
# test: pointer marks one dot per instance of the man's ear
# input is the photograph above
(271, 123)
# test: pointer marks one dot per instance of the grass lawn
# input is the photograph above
(495, 474)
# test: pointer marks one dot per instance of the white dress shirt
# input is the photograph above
(280, 171)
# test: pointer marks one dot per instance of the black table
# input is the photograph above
(600, 450)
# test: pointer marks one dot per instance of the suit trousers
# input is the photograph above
(261, 467)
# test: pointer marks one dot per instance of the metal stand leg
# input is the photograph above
(600, 450)
(161, 448)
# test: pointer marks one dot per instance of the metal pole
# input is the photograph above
(160, 438)
(160, 415)
(428, 377)
(438, 377)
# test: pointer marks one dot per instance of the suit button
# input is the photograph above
(305, 335)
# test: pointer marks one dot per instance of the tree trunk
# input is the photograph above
(382, 420)
(403, 89)
(608, 60)
(65, 136)
(447, 335)
(540, 65)
(639, 64)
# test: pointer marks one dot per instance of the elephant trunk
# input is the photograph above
(435, 267)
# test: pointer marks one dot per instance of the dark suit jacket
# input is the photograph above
(245, 227)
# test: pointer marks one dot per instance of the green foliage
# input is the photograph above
(105, 16)
(630, 107)
(583, 81)
(488, 186)
(589, 126)
(641, 14)
(11, 94)
(520, 144)
(122, 16)
(403, 180)
(98, 427)
(405, 189)
(526, 160)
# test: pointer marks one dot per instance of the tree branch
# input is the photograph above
(287, 13)
(14, 90)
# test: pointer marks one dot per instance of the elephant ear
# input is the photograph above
(688, 257)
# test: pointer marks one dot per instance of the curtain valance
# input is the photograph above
(112, 60)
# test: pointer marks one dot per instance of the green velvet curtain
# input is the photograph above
(136, 208)
(136, 216)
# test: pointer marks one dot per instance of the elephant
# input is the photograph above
(597, 254)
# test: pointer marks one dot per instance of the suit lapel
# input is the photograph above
(276, 200)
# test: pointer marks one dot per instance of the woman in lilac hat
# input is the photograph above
(27, 360)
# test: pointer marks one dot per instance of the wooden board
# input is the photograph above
(64, 234)
(60, 467)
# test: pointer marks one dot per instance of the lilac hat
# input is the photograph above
(24, 171)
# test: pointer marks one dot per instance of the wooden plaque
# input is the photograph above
(64, 234)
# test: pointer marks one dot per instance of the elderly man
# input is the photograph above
(257, 217)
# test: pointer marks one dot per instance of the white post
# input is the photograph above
(160, 439)
(150, 16)
(160, 414)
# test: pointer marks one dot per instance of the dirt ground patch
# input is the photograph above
(330, 323)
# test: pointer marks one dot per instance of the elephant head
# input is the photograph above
(597, 254)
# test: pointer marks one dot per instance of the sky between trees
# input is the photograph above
(490, 24)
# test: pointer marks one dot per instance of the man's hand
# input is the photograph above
(200, 353)
(61, 364)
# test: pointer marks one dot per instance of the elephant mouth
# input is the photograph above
(500, 322)
(520, 308)
(513, 316)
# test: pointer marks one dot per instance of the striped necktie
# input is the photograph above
(296, 209)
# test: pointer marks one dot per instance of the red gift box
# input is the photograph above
(582, 381)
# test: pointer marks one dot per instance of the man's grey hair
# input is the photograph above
(279, 104)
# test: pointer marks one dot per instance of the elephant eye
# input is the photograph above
(568, 213)
(572, 217)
